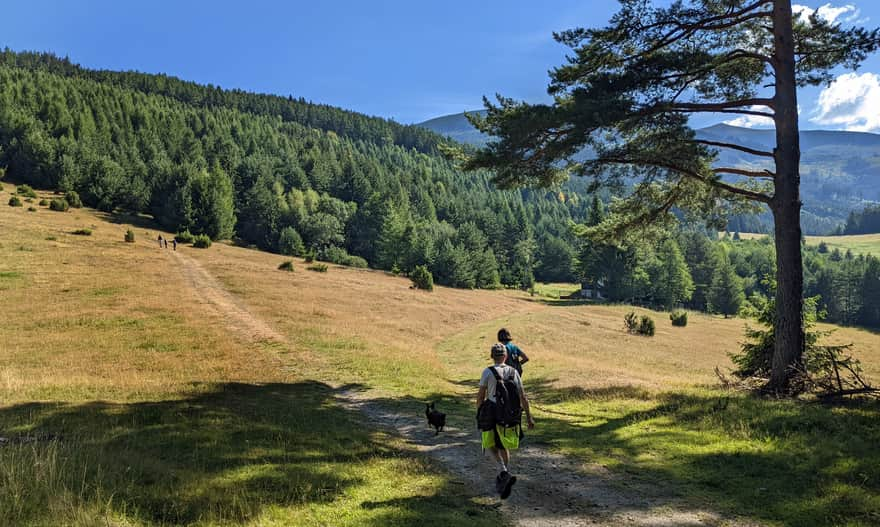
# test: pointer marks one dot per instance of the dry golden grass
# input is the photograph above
(93, 317)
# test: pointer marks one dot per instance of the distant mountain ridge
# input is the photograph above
(840, 171)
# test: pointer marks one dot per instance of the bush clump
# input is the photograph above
(286, 266)
(679, 318)
(82, 232)
(26, 191)
(15, 201)
(72, 198)
(422, 278)
(290, 242)
(639, 326)
(646, 326)
(310, 256)
(340, 256)
(32, 209)
(202, 241)
(129, 236)
(318, 268)
(185, 237)
(59, 205)
(43, 203)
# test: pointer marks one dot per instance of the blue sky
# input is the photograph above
(405, 60)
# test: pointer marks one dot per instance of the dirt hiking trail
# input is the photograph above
(551, 490)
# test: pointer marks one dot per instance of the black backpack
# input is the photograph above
(508, 408)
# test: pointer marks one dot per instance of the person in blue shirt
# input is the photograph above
(515, 356)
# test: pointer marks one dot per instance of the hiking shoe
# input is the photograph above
(501, 480)
(508, 485)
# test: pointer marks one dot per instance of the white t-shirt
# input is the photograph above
(488, 381)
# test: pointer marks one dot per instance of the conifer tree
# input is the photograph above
(725, 296)
(628, 91)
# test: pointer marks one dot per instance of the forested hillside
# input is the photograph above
(283, 174)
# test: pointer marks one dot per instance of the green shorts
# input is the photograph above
(509, 438)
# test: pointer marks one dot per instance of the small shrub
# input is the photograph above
(129, 236)
(286, 266)
(679, 318)
(59, 205)
(32, 209)
(318, 268)
(15, 201)
(646, 326)
(395, 270)
(422, 278)
(43, 203)
(51, 238)
(631, 322)
(82, 232)
(1, 186)
(639, 326)
(29, 200)
(202, 241)
(26, 191)
(310, 256)
(72, 199)
(184, 237)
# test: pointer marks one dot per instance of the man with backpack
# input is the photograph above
(501, 401)
(515, 356)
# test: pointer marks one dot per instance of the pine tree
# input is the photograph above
(725, 296)
(670, 276)
(628, 93)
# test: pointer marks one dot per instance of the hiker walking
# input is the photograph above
(500, 403)
(160, 241)
(515, 356)
(174, 243)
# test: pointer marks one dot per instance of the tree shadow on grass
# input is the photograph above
(804, 464)
(227, 454)
(798, 463)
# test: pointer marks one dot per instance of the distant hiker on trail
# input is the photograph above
(174, 243)
(500, 403)
(160, 241)
(515, 356)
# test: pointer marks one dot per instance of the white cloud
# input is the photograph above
(753, 121)
(851, 102)
(834, 15)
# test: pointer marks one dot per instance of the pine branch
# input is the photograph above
(766, 174)
(732, 146)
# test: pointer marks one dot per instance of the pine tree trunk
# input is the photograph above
(786, 207)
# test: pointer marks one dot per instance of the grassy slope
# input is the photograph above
(148, 413)
(199, 429)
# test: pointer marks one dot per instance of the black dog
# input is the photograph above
(435, 418)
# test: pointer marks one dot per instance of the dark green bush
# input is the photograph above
(286, 266)
(82, 232)
(72, 199)
(631, 322)
(43, 203)
(59, 205)
(290, 242)
(319, 268)
(202, 241)
(32, 209)
(422, 278)
(646, 326)
(26, 191)
(340, 256)
(14, 201)
(679, 317)
(310, 256)
(639, 326)
(129, 236)
(184, 237)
